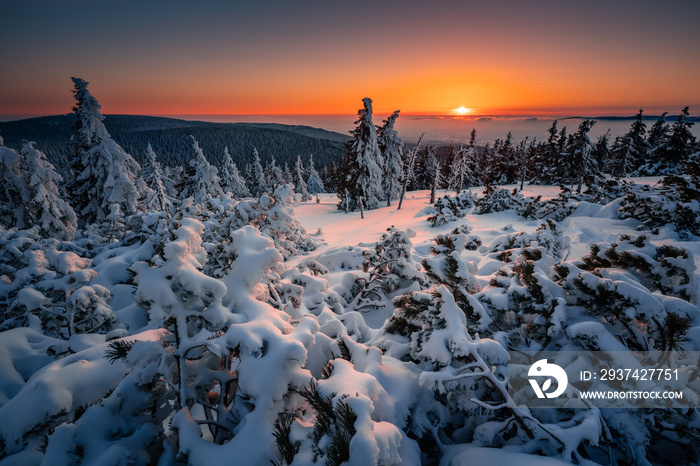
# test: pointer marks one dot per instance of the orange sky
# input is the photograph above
(319, 58)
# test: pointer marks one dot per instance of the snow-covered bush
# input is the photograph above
(496, 199)
(274, 217)
(522, 296)
(675, 203)
(450, 208)
(633, 286)
(446, 266)
(390, 267)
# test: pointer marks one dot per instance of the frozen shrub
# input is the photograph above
(451, 208)
(497, 200)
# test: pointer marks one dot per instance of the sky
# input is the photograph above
(322, 57)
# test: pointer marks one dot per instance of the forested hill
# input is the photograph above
(171, 140)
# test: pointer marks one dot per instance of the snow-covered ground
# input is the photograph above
(584, 228)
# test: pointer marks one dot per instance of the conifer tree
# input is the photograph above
(391, 148)
(103, 173)
(298, 180)
(433, 171)
(237, 186)
(231, 179)
(583, 163)
(226, 171)
(636, 140)
(409, 165)
(12, 189)
(361, 186)
(601, 152)
(44, 205)
(275, 177)
(314, 183)
(287, 174)
(157, 199)
(681, 143)
(621, 157)
(201, 180)
(255, 176)
(457, 169)
(658, 134)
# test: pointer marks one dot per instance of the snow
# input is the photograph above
(282, 318)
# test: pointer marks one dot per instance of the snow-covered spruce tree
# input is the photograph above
(584, 166)
(463, 169)
(255, 176)
(679, 146)
(44, 205)
(621, 162)
(657, 141)
(275, 176)
(408, 170)
(287, 174)
(433, 169)
(390, 267)
(391, 148)
(201, 179)
(601, 153)
(298, 181)
(13, 191)
(157, 198)
(231, 180)
(103, 173)
(314, 182)
(362, 167)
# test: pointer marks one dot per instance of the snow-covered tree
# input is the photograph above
(201, 179)
(583, 164)
(13, 190)
(225, 170)
(430, 172)
(231, 179)
(446, 266)
(361, 184)
(680, 144)
(287, 174)
(255, 176)
(275, 176)
(103, 173)
(314, 183)
(409, 168)
(157, 198)
(390, 267)
(622, 161)
(298, 181)
(391, 148)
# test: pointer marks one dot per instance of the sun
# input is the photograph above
(462, 111)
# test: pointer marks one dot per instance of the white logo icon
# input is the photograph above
(544, 369)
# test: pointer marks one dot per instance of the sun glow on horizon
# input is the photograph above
(462, 111)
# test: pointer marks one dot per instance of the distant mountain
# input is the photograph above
(170, 138)
(669, 118)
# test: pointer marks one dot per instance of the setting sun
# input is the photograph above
(462, 111)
